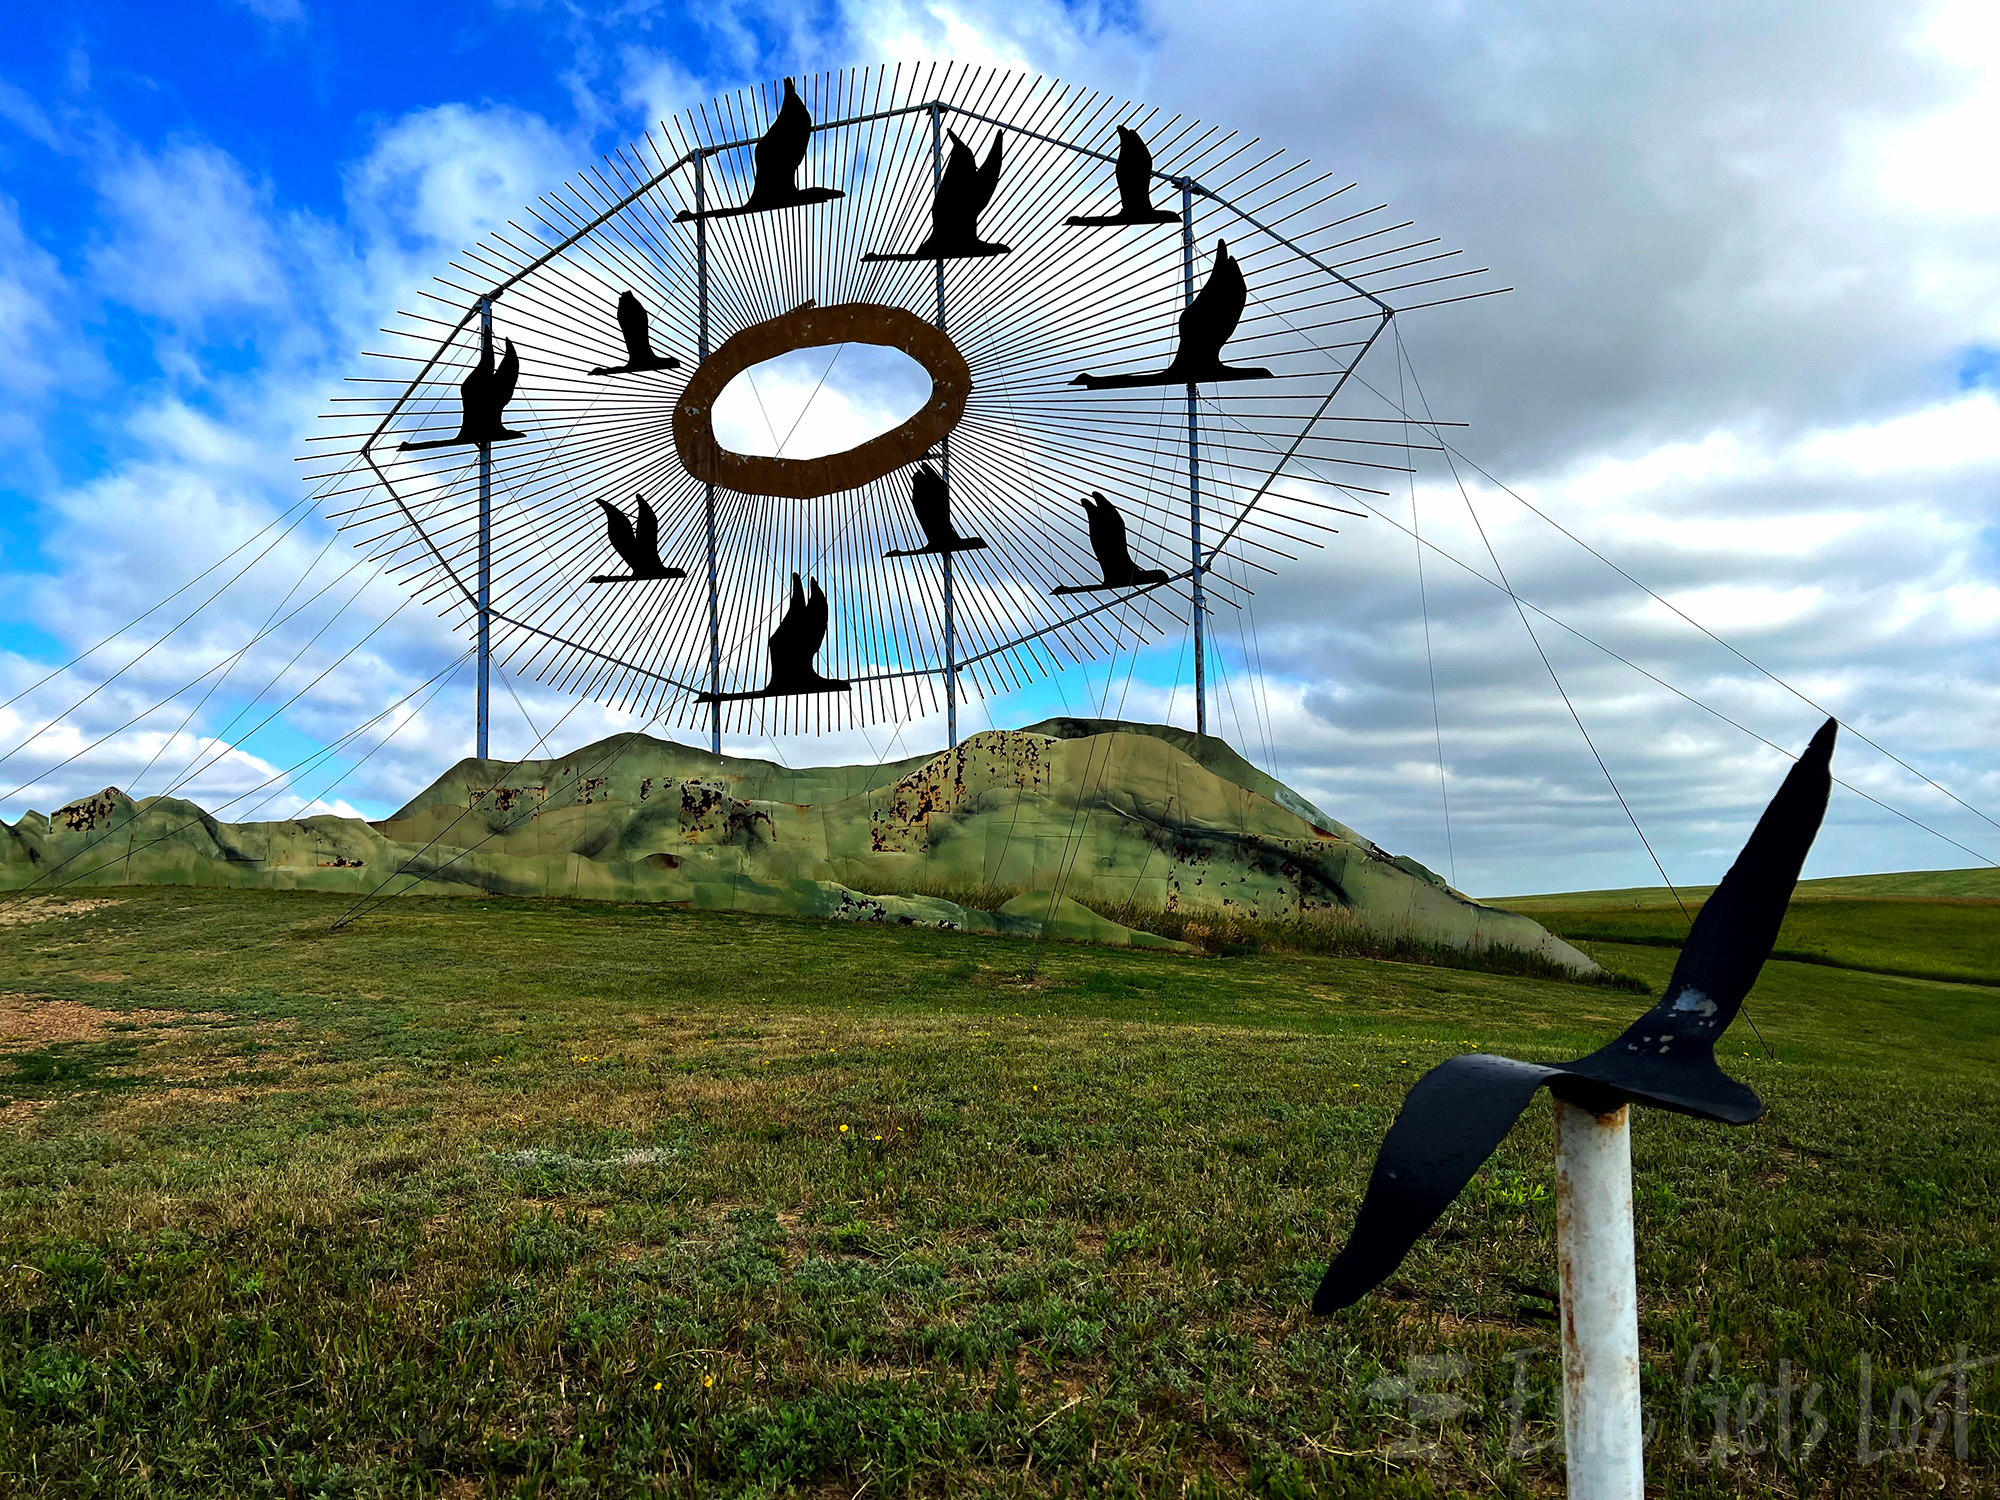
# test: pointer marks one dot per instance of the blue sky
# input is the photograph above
(1751, 358)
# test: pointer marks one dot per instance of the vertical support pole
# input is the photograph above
(1603, 1428)
(1194, 468)
(950, 613)
(485, 551)
(701, 353)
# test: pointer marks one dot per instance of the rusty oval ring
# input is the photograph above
(809, 327)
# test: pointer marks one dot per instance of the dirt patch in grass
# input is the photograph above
(21, 1111)
(28, 1022)
(49, 909)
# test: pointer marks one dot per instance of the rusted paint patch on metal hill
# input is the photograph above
(84, 815)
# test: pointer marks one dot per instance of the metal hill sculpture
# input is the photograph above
(1459, 1112)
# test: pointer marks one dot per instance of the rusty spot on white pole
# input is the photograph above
(1603, 1428)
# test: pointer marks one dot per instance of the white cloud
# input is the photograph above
(189, 236)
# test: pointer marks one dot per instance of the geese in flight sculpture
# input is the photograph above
(963, 192)
(637, 329)
(1135, 189)
(1114, 558)
(639, 546)
(779, 154)
(1206, 324)
(930, 498)
(793, 646)
(482, 398)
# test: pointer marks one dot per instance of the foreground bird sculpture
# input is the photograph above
(482, 398)
(1206, 324)
(963, 192)
(1135, 189)
(1114, 558)
(778, 156)
(930, 498)
(793, 645)
(1459, 1112)
(639, 546)
(637, 329)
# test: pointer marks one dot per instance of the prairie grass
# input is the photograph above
(542, 1197)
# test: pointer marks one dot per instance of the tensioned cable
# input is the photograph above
(1424, 601)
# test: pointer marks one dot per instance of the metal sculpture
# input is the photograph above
(1236, 474)
(1458, 1113)
(930, 498)
(779, 154)
(1114, 558)
(961, 197)
(1135, 189)
(793, 645)
(639, 545)
(637, 329)
(482, 398)
(1206, 324)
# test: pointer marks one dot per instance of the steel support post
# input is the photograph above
(1194, 470)
(1603, 1428)
(482, 713)
(701, 353)
(950, 612)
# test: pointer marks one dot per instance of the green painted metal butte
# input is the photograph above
(1106, 812)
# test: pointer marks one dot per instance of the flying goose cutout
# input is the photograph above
(1135, 189)
(1114, 558)
(930, 498)
(638, 331)
(963, 192)
(640, 546)
(1459, 1112)
(1205, 326)
(482, 399)
(778, 157)
(793, 645)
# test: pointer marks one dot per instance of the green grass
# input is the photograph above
(486, 1197)
(1982, 881)
(1939, 938)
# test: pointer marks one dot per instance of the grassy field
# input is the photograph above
(484, 1197)
(1926, 924)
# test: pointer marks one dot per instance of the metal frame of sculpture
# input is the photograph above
(1066, 358)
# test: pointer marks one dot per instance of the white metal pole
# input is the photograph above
(1603, 1427)
(485, 549)
(701, 353)
(1194, 466)
(950, 613)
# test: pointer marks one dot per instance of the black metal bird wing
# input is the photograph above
(1135, 188)
(793, 645)
(623, 541)
(776, 161)
(1460, 1111)
(1114, 557)
(1206, 324)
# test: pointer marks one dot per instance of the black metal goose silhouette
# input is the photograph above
(1462, 1109)
(778, 156)
(1114, 558)
(930, 498)
(638, 331)
(1135, 189)
(794, 644)
(963, 192)
(1206, 324)
(482, 398)
(639, 547)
